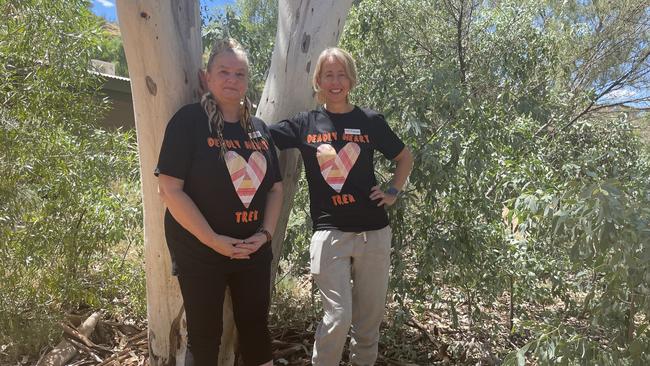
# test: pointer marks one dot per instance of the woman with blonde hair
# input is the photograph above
(218, 175)
(350, 247)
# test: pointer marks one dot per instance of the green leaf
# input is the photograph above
(636, 348)
(521, 354)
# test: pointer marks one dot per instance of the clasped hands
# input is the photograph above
(238, 248)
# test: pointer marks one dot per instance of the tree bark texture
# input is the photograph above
(162, 42)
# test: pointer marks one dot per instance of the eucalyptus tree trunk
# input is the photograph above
(162, 42)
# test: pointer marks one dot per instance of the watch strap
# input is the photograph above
(393, 191)
(262, 230)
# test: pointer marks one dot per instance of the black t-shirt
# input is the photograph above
(229, 192)
(337, 150)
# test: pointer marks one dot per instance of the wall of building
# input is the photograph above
(118, 91)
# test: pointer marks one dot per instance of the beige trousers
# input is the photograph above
(351, 272)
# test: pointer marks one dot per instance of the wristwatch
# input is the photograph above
(393, 191)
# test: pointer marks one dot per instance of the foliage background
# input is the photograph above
(69, 189)
(531, 186)
(523, 234)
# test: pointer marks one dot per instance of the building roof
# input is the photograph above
(115, 83)
(114, 77)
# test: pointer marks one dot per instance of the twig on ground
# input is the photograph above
(65, 350)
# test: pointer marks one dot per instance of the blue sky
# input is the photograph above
(106, 8)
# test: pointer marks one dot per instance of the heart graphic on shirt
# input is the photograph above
(246, 176)
(336, 167)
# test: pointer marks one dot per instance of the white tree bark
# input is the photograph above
(162, 42)
(305, 29)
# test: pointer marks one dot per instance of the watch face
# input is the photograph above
(392, 191)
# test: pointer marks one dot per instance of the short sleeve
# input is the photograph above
(176, 151)
(287, 133)
(385, 139)
(276, 175)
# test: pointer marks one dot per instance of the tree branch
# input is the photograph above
(613, 85)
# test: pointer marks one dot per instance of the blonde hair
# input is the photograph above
(210, 106)
(227, 45)
(340, 55)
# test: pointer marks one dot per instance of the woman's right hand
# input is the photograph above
(225, 246)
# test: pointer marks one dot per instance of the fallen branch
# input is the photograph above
(75, 335)
(414, 323)
(288, 351)
(82, 347)
(137, 337)
(115, 357)
(284, 349)
(66, 350)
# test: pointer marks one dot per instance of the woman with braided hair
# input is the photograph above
(218, 176)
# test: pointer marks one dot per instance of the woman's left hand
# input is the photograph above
(384, 199)
(253, 242)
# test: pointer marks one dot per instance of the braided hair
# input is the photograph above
(211, 108)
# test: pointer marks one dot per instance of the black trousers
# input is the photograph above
(203, 295)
